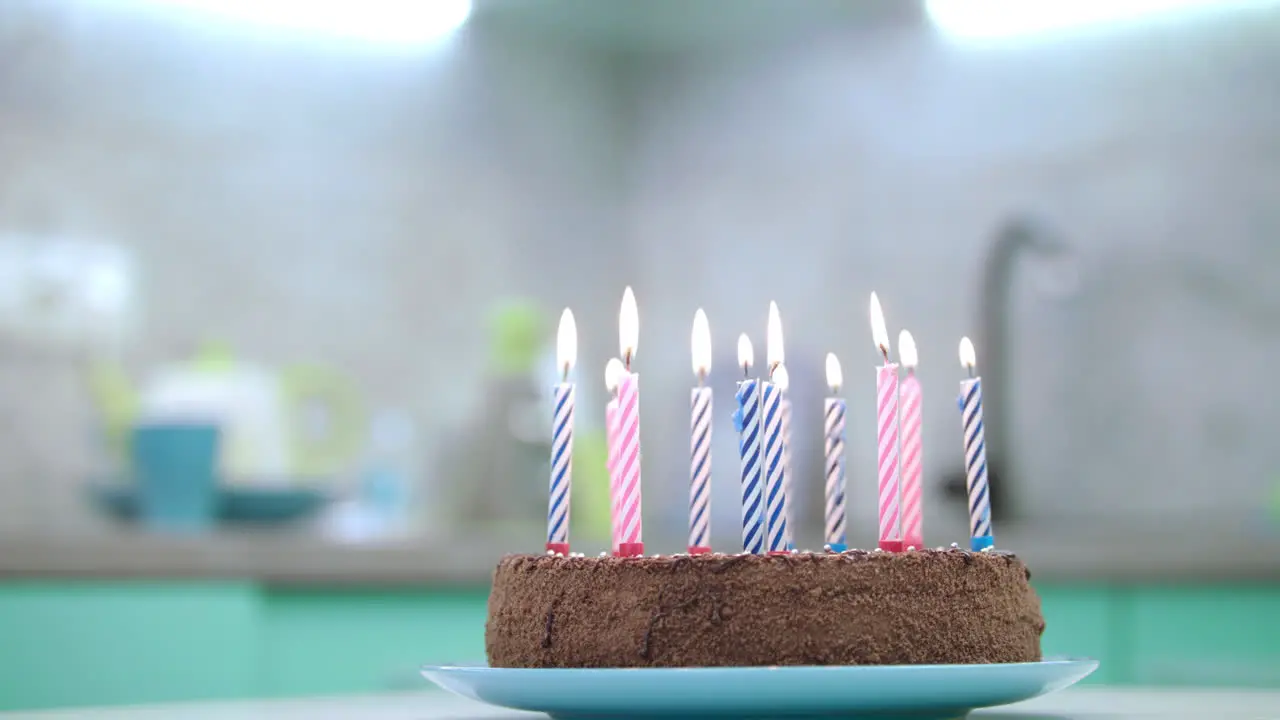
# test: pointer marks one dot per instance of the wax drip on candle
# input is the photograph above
(781, 378)
(613, 375)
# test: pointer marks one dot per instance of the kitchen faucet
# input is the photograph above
(1018, 236)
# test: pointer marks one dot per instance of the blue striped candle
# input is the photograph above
(561, 470)
(975, 452)
(746, 420)
(562, 438)
(775, 490)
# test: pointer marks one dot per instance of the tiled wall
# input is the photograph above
(1143, 372)
(358, 206)
(365, 208)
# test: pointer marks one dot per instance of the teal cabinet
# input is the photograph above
(317, 641)
(92, 643)
(100, 643)
(1078, 624)
(1212, 635)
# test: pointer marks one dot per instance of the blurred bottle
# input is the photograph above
(390, 472)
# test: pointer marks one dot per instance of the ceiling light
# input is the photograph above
(978, 19)
(381, 21)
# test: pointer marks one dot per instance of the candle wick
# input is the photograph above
(702, 377)
(970, 368)
(565, 375)
(773, 368)
(885, 352)
(626, 359)
(746, 370)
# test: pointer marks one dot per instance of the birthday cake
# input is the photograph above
(852, 608)
(768, 605)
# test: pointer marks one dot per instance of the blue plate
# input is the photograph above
(874, 691)
(235, 504)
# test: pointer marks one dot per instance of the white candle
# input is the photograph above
(562, 438)
(700, 440)
(835, 410)
(776, 353)
(778, 534)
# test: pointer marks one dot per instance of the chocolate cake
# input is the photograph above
(852, 608)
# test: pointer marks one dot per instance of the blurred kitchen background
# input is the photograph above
(346, 231)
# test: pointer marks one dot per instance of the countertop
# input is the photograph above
(1053, 554)
(1072, 704)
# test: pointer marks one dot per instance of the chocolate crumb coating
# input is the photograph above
(854, 608)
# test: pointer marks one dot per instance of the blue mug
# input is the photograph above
(175, 464)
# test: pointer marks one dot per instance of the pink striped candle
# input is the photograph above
(912, 458)
(613, 373)
(630, 542)
(628, 428)
(886, 433)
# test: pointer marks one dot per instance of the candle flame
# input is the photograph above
(774, 353)
(746, 355)
(907, 350)
(968, 357)
(567, 343)
(701, 345)
(781, 378)
(628, 327)
(835, 378)
(879, 335)
(613, 371)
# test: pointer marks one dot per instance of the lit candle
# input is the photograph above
(629, 429)
(700, 440)
(782, 379)
(912, 462)
(975, 451)
(776, 350)
(746, 419)
(835, 410)
(886, 432)
(562, 438)
(775, 489)
(613, 372)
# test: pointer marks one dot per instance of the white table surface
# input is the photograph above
(1073, 704)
